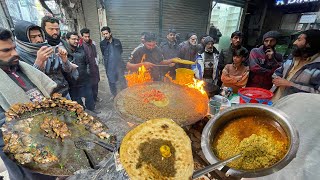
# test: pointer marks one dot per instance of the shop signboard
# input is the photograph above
(292, 2)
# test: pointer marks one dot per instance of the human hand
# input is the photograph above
(269, 53)
(278, 81)
(172, 64)
(148, 65)
(73, 66)
(238, 78)
(63, 54)
(44, 53)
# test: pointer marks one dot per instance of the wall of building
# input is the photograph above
(227, 19)
(90, 11)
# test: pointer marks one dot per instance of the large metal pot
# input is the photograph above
(228, 115)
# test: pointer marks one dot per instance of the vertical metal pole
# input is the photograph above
(209, 16)
(160, 19)
(243, 15)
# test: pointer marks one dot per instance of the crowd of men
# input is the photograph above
(39, 62)
(235, 67)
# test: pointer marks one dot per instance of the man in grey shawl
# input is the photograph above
(34, 50)
(19, 83)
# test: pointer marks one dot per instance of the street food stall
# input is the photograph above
(172, 136)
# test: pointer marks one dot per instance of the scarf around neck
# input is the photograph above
(52, 41)
(28, 53)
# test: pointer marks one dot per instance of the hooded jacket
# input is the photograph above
(54, 67)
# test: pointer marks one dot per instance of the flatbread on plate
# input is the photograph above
(140, 152)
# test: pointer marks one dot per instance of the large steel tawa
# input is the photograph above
(186, 105)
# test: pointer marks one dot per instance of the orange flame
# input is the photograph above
(184, 77)
(197, 84)
(139, 77)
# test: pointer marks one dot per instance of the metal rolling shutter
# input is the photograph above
(186, 16)
(90, 12)
(128, 19)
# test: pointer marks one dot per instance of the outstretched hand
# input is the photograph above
(148, 65)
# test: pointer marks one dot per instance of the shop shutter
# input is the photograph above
(128, 19)
(186, 16)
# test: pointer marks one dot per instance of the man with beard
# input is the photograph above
(51, 28)
(19, 83)
(80, 87)
(206, 67)
(188, 50)
(302, 73)
(111, 49)
(263, 61)
(33, 50)
(170, 49)
(149, 56)
(91, 53)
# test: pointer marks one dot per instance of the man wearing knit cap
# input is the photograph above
(263, 61)
(302, 73)
(206, 66)
(188, 49)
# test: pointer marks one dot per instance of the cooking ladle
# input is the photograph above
(212, 167)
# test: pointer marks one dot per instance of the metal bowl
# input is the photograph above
(221, 119)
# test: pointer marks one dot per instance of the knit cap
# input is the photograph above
(271, 34)
(208, 39)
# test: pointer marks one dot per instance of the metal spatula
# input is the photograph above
(100, 143)
(86, 147)
(213, 166)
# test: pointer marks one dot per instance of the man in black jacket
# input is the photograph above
(111, 49)
(80, 88)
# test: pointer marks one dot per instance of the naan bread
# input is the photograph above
(159, 130)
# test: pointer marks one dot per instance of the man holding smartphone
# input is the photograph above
(263, 61)
(34, 50)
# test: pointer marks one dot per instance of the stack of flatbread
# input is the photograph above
(141, 155)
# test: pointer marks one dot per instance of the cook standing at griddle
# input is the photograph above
(149, 56)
